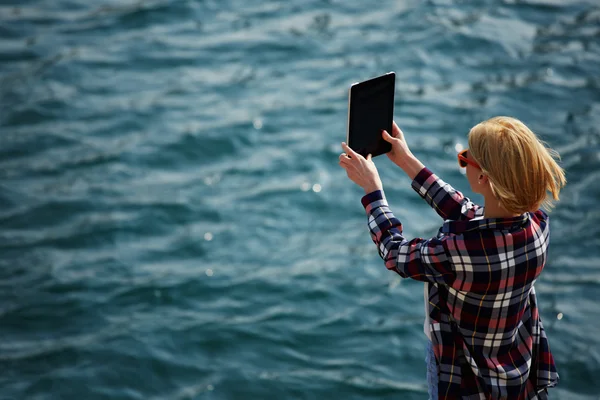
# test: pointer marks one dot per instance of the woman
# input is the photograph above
(482, 317)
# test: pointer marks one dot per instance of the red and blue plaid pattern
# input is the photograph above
(485, 326)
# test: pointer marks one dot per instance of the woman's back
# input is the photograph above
(491, 301)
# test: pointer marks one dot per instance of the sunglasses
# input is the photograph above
(463, 160)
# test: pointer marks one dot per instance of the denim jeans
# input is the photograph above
(432, 372)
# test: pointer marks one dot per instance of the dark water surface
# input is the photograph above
(174, 224)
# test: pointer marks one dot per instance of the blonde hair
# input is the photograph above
(522, 170)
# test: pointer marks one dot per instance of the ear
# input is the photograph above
(482, 179)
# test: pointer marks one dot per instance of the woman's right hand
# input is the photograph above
(400, 153)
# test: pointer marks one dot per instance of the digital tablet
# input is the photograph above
(371, 109)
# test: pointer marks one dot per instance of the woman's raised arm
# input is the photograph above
(448, 202)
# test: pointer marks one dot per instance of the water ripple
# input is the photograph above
(175, 224)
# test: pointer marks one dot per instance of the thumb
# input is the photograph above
(387, 137)
(369, 157)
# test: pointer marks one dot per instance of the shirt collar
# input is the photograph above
(512, 223)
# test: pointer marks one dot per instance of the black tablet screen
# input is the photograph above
(371, 110)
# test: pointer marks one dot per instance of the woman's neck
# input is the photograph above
(494, 210)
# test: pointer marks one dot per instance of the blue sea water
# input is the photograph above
(174, 224)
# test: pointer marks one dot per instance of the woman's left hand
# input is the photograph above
(360, 170)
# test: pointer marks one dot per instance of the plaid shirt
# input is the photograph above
(488, 338)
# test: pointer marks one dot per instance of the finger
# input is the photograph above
(344, 157)
(387, 137)
(350, 152)
(369, 157)
(346, 161)
(346, 168)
